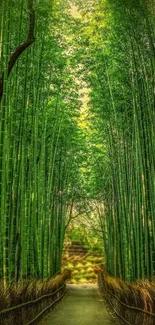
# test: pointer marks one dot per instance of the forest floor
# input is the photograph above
(82, 305)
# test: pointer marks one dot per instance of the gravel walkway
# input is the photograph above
(82, 305)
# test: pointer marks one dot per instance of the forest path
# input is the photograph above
(82, 305)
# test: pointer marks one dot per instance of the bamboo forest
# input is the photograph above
(77, 162)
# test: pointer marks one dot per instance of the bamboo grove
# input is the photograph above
(50, 158)
(37, 129)
(120, 68)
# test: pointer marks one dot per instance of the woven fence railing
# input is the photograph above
(130, 315)
(30, 312)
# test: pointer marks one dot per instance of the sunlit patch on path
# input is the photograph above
(82, 305)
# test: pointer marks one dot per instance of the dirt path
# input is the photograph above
(82, 305)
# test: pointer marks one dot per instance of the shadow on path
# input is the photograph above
(82, 305)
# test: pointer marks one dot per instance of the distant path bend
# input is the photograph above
(82, 305)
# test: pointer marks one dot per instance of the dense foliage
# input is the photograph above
(119, 62)
(37, 130)
(77, 132)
